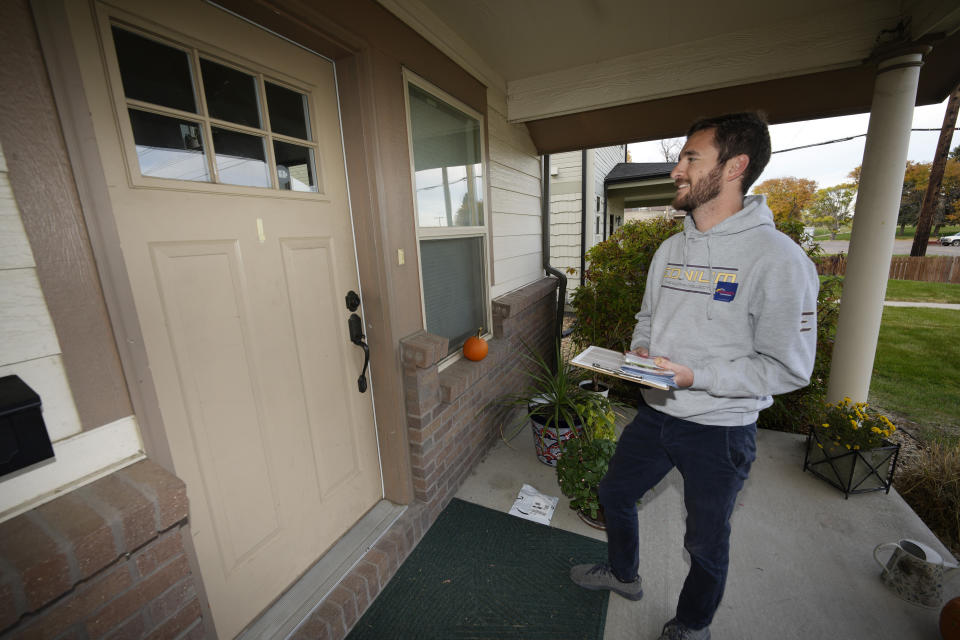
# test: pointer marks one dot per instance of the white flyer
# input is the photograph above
(533, 505)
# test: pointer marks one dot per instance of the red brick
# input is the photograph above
(75, 607)
(346, 600)
(135, 627)
(43, 566)
(168, 492)
(196, 632)
(368, 572)
(90, 537)
(8, 607)
(357, 585)
(333, 615)
(171, 601)
(132, 513)
(137, 598)
(315, 628)
(167, 546)
(177, 623)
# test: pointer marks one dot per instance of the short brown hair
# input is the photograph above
(737, 133)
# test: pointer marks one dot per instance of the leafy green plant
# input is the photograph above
(553, 396)
(613, 283)
(581, 467)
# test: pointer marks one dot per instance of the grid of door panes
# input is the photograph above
(203, 120)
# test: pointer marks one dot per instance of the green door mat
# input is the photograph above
(479, 573)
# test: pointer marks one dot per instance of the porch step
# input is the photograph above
(281, 619)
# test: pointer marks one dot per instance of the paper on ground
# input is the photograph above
(533, 505)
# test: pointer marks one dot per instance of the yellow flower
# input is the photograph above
(856, 446)
(825, 425)
(847, 446)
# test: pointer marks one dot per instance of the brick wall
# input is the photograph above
(453, 417)
(104, 561)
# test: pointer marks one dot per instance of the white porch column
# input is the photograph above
(874, 226)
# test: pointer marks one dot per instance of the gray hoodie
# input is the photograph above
(738, 305)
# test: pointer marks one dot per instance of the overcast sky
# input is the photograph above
(827, 164)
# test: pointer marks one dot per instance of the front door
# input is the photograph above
(223, 161)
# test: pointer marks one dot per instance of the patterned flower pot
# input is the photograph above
(547, 440)
(851, 471)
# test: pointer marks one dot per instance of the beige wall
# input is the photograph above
(29, 348)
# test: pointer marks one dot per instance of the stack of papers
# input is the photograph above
(627, 367)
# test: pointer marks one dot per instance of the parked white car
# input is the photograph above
(953, 240)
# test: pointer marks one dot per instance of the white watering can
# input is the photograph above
(914, 572)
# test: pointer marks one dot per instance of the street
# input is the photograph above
(900, 248)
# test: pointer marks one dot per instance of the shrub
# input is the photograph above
(853, 425)
(931, 486)
(613, 283)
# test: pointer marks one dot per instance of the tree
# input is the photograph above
(787, 197)
(933, 194)
(670, 149)
(832, 206)
(915, 181)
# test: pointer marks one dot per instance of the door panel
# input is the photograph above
(238, 290)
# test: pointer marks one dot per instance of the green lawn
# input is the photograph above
(916, 291)
(916, 373)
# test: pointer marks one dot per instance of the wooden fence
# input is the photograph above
(927, 268)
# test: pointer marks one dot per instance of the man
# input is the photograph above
(730, 307)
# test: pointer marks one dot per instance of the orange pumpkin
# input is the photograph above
(950, 620)
(475, 348)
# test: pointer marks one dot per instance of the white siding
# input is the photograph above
(604, 160)
(514, 180)
(29, 348)
(566, 206)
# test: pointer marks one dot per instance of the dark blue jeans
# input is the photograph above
(714, 462)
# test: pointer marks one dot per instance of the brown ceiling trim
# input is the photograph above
(818, 95)
(341, 29)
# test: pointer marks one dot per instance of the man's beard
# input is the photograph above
(700, 193)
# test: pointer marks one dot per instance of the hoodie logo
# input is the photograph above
(725, 291)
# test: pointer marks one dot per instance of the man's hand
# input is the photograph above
(683, 375)
(640, 351)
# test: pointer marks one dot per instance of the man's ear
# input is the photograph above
(736, 166)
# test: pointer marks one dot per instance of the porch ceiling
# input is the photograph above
(589, 73)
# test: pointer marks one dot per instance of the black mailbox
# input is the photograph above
(23, 435)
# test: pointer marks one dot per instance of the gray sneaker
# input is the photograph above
(676, 630)
(598, 577)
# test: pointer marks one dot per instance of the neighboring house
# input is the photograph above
(639, 191)
(190, 195)
(576, 182)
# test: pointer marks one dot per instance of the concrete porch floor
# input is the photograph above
(801, 558)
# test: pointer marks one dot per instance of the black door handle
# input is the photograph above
(355, 325)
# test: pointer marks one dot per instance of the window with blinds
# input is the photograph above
(446, 144)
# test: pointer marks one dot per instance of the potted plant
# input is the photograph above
(848, 448)
(585, 461)
(553, 404)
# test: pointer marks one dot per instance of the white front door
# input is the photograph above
(222, 154)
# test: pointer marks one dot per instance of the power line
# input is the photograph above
(859, 135)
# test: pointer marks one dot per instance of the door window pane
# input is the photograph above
(169, 147)
(289, 115)
(231, 94)
(241, 158)
(154, 72)
(447, 163)
(294, 167)
(453, 287)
